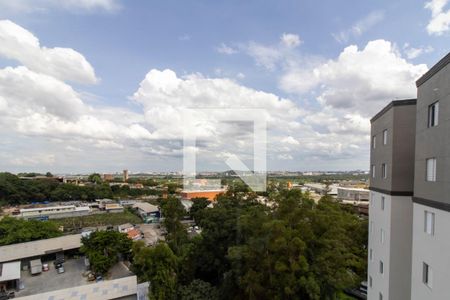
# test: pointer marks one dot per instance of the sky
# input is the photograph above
(106, 85)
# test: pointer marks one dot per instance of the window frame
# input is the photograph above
(384, 170)
(374, 141)
(427, 275)
(382, 202)
(381, 267)
(385, 136)
(433, 176)
(428, 215)
(433, 114)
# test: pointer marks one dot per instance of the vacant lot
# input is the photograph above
(98, 220)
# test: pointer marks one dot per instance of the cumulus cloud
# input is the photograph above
(440, 18)
(359, 27)
(165, 97)
(19, 44)
(360, 80)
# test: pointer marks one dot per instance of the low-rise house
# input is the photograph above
(148, 212)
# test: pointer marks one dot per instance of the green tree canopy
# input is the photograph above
(103, 249)
(14, 230)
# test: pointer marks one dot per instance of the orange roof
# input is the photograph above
(133, 234)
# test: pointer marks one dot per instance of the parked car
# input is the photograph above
(59, 268)
(45, 267)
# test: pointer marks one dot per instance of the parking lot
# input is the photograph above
(51, 280)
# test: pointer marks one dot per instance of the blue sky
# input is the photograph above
(269, 47)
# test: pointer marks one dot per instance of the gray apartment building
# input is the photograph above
(409, 220)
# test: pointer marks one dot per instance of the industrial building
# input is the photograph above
(54, 212)
(208, 194)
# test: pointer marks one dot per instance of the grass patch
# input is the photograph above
(72, 224)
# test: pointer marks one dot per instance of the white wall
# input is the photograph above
(395, 252)
(433, 250)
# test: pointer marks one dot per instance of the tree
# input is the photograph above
(95, 178)
(197, 290)
(14, 230)
(48, 174)
(103, 249)
(198, 205)
(173, 212)
(158, 265)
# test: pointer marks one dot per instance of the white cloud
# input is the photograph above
(440, 18)
(359, 27)
(412, 52)
(224, 49)
(33, 160)
(290, 40)
(63, 63)
(290, 140)
(164, 96)
(265, 56)
(285, 157)
(31, 6)
(358, 80)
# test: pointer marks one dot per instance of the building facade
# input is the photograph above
(410, 193)
(390, 212)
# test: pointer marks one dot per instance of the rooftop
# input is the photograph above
(436, 68)
(392, 104)
(40, 247)
(10, 271)
(146, 207)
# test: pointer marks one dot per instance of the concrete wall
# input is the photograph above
(433, 250)
(395, 252)
(434, 141)
(378, 220)
(398, 118)
(403, 140)
(382, 153)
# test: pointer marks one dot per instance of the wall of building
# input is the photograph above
(378, 219)
(434, 141)
(395, 252)
(433, 250)
(211, 195)
(403, 141)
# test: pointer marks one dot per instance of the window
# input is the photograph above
(383, 171)
(373, 171)
(382, 203)
(374, 142)
(370, 281)
(381, 267)
(382, 236)
(433, 114)
(385, 137)
(429, 222)
(380, 297)
(427, 275)
(431, 169)
(371, 255)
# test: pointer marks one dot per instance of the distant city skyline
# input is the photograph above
(103, 85)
